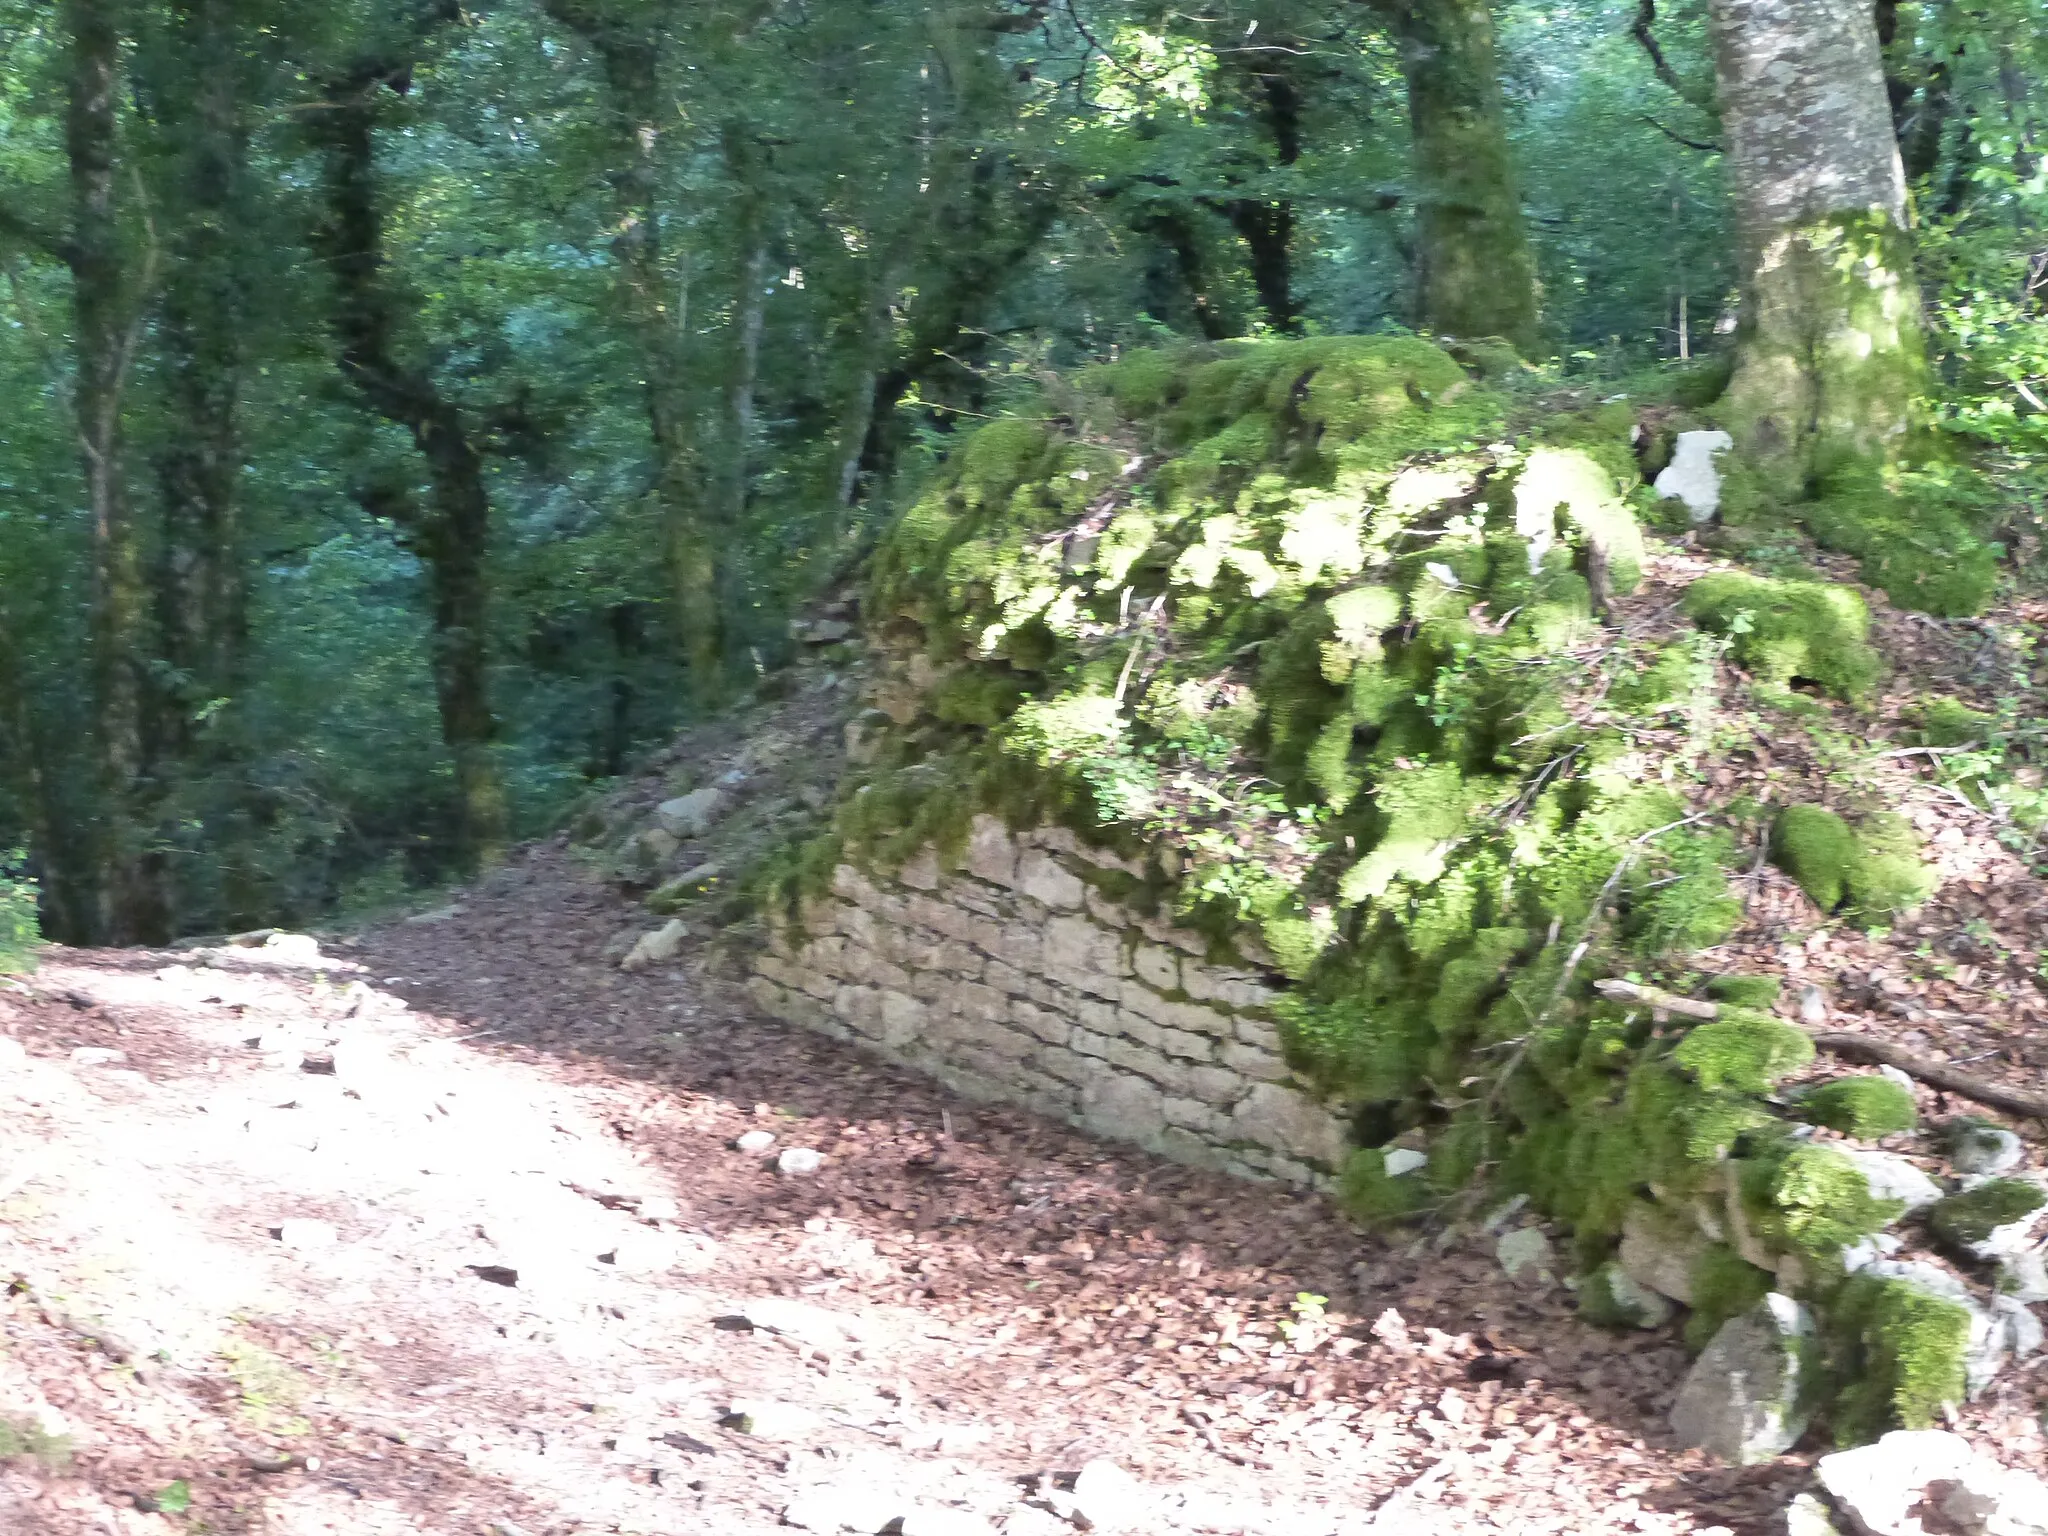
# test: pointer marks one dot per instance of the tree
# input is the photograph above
(1831, 360)
(1475, 275)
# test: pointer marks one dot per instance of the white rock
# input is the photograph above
(844, 1507)
(1640, 1306)
(659, 1208)
(799, 1161)
(1107, 1498)
(96, 1056)
(656, 947)
(770, 1421)
(754, 1141)
(1977, 1148)
(815, 1326)
(2024, 1275)
(694, 814)
(1400, 1160)
(302, 1234)
(1881, 1487)
(1891, 1177)
(1525, 1254)
(1813, 1006)
(1691, 476)
(1742, 1400)
(929, 1520)
(1807, 1516)
(646, 1252)
(292, 949)
(1902, 1078)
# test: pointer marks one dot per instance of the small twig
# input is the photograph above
(1659, 1000)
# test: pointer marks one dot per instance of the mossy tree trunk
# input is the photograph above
(1475, 275)
(1831, 357)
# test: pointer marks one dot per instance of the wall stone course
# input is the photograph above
(1019, 982)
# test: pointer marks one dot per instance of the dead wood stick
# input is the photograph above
(1855, 1048)
(1658, 1000)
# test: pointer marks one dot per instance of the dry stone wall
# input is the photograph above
(1009, 976)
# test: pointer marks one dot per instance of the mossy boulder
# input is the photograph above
(1785, 631)
(1899, 1356)
(1865, 1107)
(1988, 1220)
(1744, 1051)
(1871, 872)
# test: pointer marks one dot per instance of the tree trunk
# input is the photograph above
(129, 904)
(1266, 225)
(202, 599)
(451, 532)
(1830, 359)
(1475, 275)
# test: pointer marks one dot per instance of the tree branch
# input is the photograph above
(1707, 146)
(1646, 18)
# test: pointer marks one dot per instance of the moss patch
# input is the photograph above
(1864, 1107)
(1781, 631)
(1967, 1219)
(1898, 1357)
(1744, 1051)
(1872, 872)
(1724, 1286)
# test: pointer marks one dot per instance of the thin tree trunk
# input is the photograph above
(1830, 360)
(451, 532)
(129, 903)
(1266, 225)
(1475, 275)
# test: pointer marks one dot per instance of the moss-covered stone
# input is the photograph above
(1755, 992)
(1786, 630)
(1917, 548)
(1873, 871)
(1743, 1051)
(1373, 1197)
(1897, 1357)
(1724, 1285)
(1966, 1220)
(1863, 1107)
(1811, 1201)
(1951, 723)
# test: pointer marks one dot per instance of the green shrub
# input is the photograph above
(20, 933)
(1863, 1107)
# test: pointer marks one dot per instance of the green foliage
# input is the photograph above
(1863, 1107)
(1967, 1219)
(1914, 543)
(1743, 1051)
(1373, 1199)
(20, 932)
(1897, 1357)
(1782, 630)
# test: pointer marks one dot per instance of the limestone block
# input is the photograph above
(766, 995)
(1093, 1013)
(1659, 1249)
(1062, 840)
(1073, 944)
(828, 955)
(1169, 1075)
(1255, 1032)
(991, 854)
(1065, 1065)
(1192, 1148)
(860, 1008)
(980, 899)
(776, 970)
(1218, 1086)
(1273, 1116)
(1193, 1017)
(1102, 910)
(1158, 967)
(1023, 945)
(1002, 977)
(1045, 1026)
(1251, 1061)
(1088, 1043)
(903, 1019)
(818, 984)
(1196, 1116)
(971, 1000)
(1132, 1027)
(1241, 990)
(1160, 931)
(859, 925)
(921, 870)
(1128, 1108)
(931, 986)
(1043, 878)
(850, 883)
(1012, 1045)
(941, 917)
(1742, 1400)
(1053, 997)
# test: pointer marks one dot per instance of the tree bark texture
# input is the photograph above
(1831, 358)
(1475, 275)
(450, 533)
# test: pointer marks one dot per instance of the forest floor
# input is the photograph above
(444, 1230)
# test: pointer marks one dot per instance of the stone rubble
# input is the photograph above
(1885, 1489)
(1743, 1398)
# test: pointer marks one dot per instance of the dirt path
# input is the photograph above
(450, 1227)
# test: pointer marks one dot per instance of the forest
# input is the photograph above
(415, 410)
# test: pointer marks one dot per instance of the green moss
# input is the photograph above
(1897, 1357)
(1863, 1107)
(1758, 992)
(1373, 1199)
(1743, 1051)
(1817, 848)
(1724, 1286)
(1952, 723)
(1918, 549)
(1812, 1201)
(1889, 877)
(1782, 630)
(1968, 1219)
(1576, 483)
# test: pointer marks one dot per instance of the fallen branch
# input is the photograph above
(1940, 1074)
